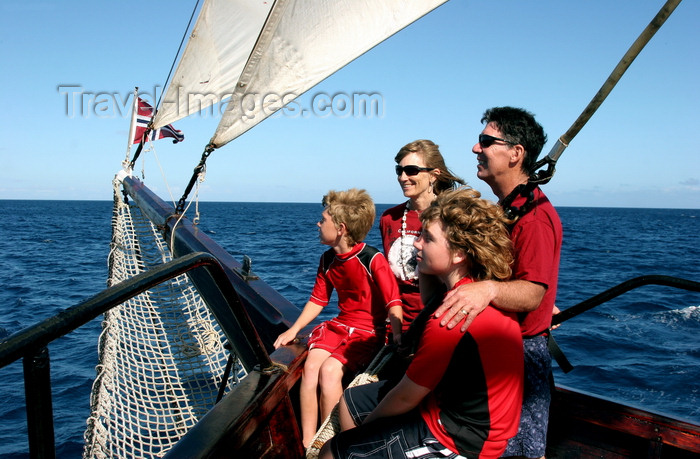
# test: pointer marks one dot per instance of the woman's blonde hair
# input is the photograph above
(354, 208)
(476, 227)
(430, 153)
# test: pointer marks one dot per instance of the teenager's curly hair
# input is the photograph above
(477, 227)
(353, 207)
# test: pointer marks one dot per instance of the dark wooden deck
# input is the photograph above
(586, 426)
(259, 419)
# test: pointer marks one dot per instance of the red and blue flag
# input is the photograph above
(143, 117)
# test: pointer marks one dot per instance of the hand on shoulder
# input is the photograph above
(463, 303)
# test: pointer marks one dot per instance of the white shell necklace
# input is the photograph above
(407, 254)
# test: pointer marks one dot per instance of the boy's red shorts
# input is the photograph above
(353, 347)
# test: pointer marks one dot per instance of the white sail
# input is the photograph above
(303, 42)
(216, 53)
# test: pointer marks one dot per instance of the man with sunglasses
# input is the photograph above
(506, 153)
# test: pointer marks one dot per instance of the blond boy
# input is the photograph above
(367, 293)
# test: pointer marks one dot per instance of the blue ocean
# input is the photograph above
(642, 348)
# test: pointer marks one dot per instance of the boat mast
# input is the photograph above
(132, 126)
(550, 160)
(543, 170)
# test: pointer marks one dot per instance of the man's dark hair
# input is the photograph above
(519, 126)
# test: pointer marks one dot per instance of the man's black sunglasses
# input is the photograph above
(486, 140)
(412, 170)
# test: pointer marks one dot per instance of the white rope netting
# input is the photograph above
(161, 354)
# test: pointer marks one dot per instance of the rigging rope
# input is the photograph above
(541, 177)
(165, 85)
(137, 153)
(198, 170)
(179, 48)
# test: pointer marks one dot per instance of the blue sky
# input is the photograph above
(435, 78)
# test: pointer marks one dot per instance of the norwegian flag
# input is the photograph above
(143, 117)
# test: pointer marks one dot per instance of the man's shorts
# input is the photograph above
(403, 436)
(353, 347)
(531, 440)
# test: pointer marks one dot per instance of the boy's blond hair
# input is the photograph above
(354, 208)
(478, 228)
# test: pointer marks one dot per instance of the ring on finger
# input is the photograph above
(464, 311)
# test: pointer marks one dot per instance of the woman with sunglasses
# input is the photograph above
(422, 175)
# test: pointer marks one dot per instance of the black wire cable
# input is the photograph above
(177, 54)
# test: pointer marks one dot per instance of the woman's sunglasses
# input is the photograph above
(486, 140)
(412, 170)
